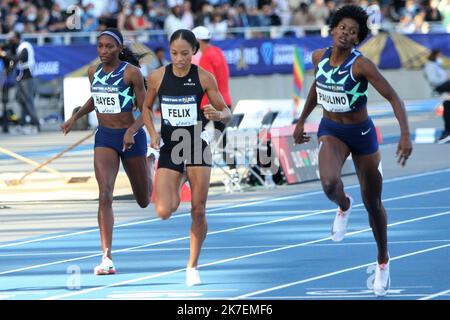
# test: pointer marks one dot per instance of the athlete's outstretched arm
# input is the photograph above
(85, 109)
(153, 83)
(363, 67)
(311, 101)
(133, 77)
(218, 110)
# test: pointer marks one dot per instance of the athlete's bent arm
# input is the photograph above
(363, 67)
(154, 80)
(311, 101)
(134, 77)
(218, 110)
(84, 110)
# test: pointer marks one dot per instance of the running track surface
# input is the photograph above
(276, 248)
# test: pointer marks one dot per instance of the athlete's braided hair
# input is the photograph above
(353, 12)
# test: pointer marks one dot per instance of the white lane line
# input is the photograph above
(186, 248)
(368, 295)
(442, 293)
(236, 258)
(286, 212)
(215, 232)
(246, 204)
(180, 215)
(331, 274)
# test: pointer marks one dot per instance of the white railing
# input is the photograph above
(67, 38)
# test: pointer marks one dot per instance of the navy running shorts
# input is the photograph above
(361, 138)
(113, 139)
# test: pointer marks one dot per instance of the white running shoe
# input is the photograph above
(106, 267)
(192, 277)
(340, 222)
(382, 281)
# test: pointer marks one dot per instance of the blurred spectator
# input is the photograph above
(294, 4)
(154, 62)
(99, 8)
(432, 12)
(56, 21)
(42, 20)
(406, 25)
(187, 16)
(281, 8)
(331, 5)
(173, 21)
(244, 18)
(218, 27)
(435, 74)
(160, 58)
(89, 21)
(440, 81)
(232, 18)
(123, 17)
(22, 53)
(420, 25)
(204, 16)
(302, 16)
(40, 16)
(268, 17)
(320, 12)
(410, 9)
(138, 20)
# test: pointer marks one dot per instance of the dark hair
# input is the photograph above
(186, 35)
(129, 56)
(433, 54)
(17, 35)
(353, 12)
(126, 54)
(115, 32)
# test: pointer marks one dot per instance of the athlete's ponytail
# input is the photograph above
(129, 56)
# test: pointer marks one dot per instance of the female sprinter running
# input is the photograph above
(184, 144)
(116, 85)
(342, 75)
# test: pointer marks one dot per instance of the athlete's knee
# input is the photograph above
(330, 186)
(163, 212)
(198, 213)
(373, 205)
(105, 198)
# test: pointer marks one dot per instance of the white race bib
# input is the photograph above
(179, 111)
(333, 101)
(106, 102)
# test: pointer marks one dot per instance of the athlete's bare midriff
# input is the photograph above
(352, 117)
(122, 120)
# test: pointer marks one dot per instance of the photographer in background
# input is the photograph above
(439, 79)
(22, 53)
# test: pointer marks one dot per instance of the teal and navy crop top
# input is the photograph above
(337, 90)
(109, 91)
